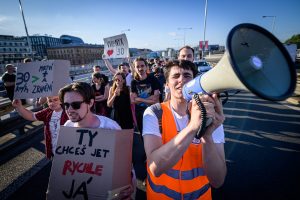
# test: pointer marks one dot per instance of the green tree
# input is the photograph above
(295, 39)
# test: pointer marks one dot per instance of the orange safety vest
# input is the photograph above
(186, 179)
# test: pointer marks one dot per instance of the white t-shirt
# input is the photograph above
(128, 79)
(54, 128)
(105, 122)
(151, 127)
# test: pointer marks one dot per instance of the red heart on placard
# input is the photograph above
(110, 52)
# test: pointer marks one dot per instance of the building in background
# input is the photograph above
(153, 55)
(12, 50)
(40, 43)
(68, 39)
(135, 52)
(77, 54)
(169, 53)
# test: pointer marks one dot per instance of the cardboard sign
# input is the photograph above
(90, 163)
(116, 47)
(41, 78)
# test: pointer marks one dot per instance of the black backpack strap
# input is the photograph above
(156, 108)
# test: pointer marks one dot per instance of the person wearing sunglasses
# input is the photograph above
(53, 117)
(78, 99)
(119, 100)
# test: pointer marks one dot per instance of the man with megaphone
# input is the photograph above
(178, 164)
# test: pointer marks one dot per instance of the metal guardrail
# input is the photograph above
(2, 93)
(4, 102)
(14, 129)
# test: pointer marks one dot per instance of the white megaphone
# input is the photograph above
(255, 61)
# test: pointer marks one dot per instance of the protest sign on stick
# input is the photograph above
(41, 78)
(116, 47)
(90, 163)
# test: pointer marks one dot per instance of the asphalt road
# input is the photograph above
(262, 150)
(262, 153)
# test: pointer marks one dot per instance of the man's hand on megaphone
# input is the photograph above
(196, 113)
(216, 114)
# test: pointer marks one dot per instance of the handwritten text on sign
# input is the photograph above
(84, 147)
(86, 162)
(116, 47)
(36, 79)
(37, 86)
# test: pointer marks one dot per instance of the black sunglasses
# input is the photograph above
(75, 105)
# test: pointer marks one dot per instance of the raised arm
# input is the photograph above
(26, 114)
(110, 67)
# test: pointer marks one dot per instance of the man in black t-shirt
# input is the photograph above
(144, 90)
(9, 79)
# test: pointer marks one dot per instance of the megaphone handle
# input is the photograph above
(202, 129)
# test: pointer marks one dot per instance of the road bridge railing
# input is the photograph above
(14, 129)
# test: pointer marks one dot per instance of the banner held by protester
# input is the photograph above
(90, 163)
(116, 47)
(41, 78)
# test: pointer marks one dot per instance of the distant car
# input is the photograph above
(202, 66)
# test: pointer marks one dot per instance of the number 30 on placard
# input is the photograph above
(120, 51)
(22, 77)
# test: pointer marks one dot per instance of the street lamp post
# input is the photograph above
(28, 40)
(273, 23)
(123, 31)
(205, 16)
(184, 29)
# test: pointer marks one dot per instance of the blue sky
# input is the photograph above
(153, 24)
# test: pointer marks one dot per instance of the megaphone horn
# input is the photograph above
(255, 61)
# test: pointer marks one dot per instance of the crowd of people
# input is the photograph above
(146, 95)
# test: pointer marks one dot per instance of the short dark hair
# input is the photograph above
(9, 65)
(96, 66)
(97, 75)
(123, 64)
(140, 59)
(82, 88)
(184, 64)
(187, 47)
(27, 60)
